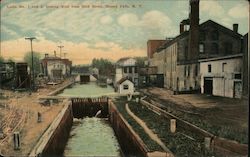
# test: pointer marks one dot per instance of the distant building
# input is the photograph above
(152, 45)
(177, 59)
(55, 68)
(126, 67)
(222, 76)
(125, 86)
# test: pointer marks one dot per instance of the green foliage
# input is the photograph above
(1, 59)
(106, 67)
(140, 61)
(36, 60)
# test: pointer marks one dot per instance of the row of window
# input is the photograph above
(187, 71)
(209, 67)
(129, 70)
(215, 48)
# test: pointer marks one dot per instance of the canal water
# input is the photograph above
(90, 89)
(91, 136)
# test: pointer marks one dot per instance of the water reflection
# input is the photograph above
(92, 137)
(90, 89)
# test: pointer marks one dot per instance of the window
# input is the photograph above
(135, 69)
(202, 35)
(130, 69)
(201, 48)
(237, 76)
(224, 67)
(188, 70)
(228, 48)
(196, 70)
(215, 35)
(125, 69)
(125, 87)
(185, 69)
(214, 48)
(209, 68)
(186, 52)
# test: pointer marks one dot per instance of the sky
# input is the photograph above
(120, 28)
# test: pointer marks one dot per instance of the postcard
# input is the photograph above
(118, 78)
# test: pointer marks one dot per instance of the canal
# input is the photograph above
(90, 89)
(91, 136)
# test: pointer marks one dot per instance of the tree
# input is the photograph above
(1, 59)
(36, 60)
(105, 66)
(140, 61)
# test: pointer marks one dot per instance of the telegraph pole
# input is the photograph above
(60, 46)
(32, 61)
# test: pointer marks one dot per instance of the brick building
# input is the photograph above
(177, 59)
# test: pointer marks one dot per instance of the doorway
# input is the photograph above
(208, 85)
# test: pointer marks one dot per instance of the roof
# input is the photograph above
(123, 59)
(204, 24)
(222, 58)
(123, 79)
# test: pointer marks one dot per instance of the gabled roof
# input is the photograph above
(123, 59)
(123, 79)
(202, 25)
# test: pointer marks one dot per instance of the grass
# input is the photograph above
(152, 145)
(182, 143)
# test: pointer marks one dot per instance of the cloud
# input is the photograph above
(128, 20)
(239, 11)
(81, 53)
(212, 8)
(106, 20)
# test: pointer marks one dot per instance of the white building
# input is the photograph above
(125, 86)
(222, 76)
(126, 67)
(55, 68)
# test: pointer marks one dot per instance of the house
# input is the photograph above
(55, 68)
(222, 76)
(177, 59)
(126, 67)
(125, 86)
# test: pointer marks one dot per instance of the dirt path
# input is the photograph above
(22, 108)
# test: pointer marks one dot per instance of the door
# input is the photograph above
(208, 85)
(237, 89)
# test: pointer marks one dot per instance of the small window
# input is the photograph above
(215, 35)
(209, 68)
(201, 48)
(188, 70)
(202, 35)
(237, 76)
(185, 69)
(135, 69)
(196, 70)
(125, 87)
(130, 70)
(224, 67)
(215, 48)
(125, 69)
(228, 48)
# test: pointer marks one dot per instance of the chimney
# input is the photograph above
(193, 47)
(46, 55)
(181, 27)
(55, 53)
(235, 27)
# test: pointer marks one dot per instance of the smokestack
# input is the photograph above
(55, 53)
(181, 27)
(235, 27)
(193, 47)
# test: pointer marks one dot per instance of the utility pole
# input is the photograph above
(60, 46)
(32, 62)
